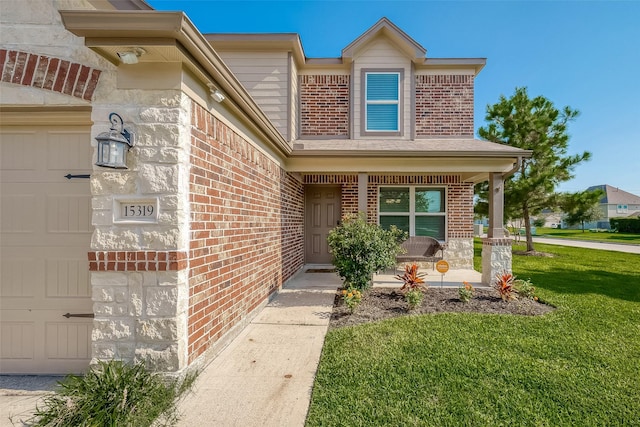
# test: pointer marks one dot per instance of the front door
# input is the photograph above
(322, 213)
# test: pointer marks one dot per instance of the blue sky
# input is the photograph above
(584, 54)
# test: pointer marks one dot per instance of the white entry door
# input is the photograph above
(45, 226)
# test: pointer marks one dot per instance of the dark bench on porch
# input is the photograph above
(421, 249)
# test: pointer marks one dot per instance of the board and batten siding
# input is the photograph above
(293, 100)
(265, 75)
(378, 55)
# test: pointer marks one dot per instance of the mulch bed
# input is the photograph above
(385, 303)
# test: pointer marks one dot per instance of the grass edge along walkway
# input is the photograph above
(576, 366)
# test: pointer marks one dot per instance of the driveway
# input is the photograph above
(617, 247)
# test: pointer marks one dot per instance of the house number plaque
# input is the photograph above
(135, 211)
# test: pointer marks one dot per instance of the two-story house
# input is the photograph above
(242, 153)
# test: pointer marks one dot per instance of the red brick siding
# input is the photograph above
(137, 260)
(324, 105)
(246, 234)
(459, 196)
(444, 105)
(54, 74)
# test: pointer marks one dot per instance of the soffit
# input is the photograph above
(170, 37)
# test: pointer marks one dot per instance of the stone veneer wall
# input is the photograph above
(496, 258)
(139, 273)
(444, 105)
(246, 235)
(324, 105)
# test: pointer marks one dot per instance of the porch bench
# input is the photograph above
(421, 249)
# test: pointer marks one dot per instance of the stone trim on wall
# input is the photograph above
(49, 73)
(137, 260)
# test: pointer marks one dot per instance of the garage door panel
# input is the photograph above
(67, 278)
(19, 151)
(68, 213)
(18, 213)
(45, 227)
(68, 151)
(68, 340)
(18, 277)
(17, 340)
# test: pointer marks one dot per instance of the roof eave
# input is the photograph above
(108, 28)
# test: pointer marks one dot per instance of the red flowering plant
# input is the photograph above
(413, 285)
(504, 286)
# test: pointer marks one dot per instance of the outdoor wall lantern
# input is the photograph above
(113, 145)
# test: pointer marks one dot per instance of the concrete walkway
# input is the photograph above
(265, 376)
(617, 247)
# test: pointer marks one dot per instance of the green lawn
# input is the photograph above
(579, 366)
(588, 235)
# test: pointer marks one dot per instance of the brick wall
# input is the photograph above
(324, 105)
(444, 105)
(246, 234)
(459, 196)
(49, 73)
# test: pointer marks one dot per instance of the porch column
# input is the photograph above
(363, 181)
(496, 248)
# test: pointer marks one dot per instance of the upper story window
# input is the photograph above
(623, 209)
(382, 102)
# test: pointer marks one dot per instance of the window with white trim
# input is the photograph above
(420, 211)
(382, 102)
(622, 209)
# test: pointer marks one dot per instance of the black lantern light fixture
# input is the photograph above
(113, 145)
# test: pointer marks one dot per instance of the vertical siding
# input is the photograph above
(266, 76)
(293, 100)
(381, 54)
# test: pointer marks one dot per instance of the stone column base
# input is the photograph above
(496, 258)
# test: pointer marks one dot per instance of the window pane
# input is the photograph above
(382, 117)
(402, 222)
(394, 200)
(382, 87)
(429, 200)
(430, 226)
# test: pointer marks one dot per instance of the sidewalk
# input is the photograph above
(265, 376)
(617, 247)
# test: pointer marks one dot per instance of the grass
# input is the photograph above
(576, 366)
(114, 394)
(589, 235)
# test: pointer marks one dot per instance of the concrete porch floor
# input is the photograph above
(451, 279)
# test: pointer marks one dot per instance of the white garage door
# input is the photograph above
(45, 225)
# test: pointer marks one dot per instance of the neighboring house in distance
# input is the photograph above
(245, 154)
(615, 203)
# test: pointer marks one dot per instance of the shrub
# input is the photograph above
(539, 222)
(525, 288)
(113, 394)
(504, 286)
(625, 225)
(360, 249)
(413, 285)
(352, 298)
(466, 292)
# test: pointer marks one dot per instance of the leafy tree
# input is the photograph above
(532, 124)
(581, 207)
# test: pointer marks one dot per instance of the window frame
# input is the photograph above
(412, 207)
(364, 102)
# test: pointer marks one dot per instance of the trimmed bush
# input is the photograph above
(360, 249)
